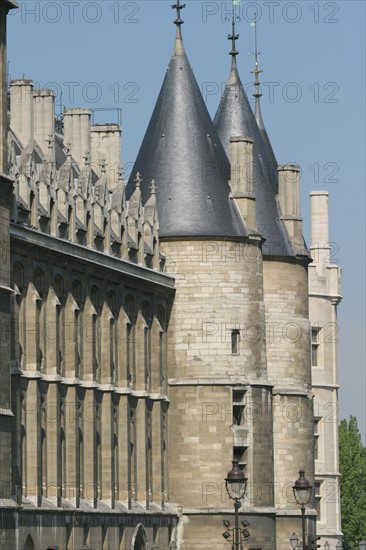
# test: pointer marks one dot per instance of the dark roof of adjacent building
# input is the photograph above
(181, 151)
(235, 117)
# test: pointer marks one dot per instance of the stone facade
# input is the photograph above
(324, 297)
(135, 367)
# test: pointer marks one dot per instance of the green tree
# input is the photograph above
(352, 465)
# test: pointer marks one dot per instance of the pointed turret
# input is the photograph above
(235, 117)
(182, 152)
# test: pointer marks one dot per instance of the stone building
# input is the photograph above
(155, 331)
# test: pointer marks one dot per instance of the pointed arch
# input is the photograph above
(29, 544)
(139, 539)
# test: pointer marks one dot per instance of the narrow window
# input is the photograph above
(318, 499)
(238, 407)
(315, 346)
(240, 454)
(316, 438)
(235, 342)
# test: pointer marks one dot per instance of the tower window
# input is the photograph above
(318, 498)
(238, 407)
(315, 346)
(316, 438)
(240, 454)
(235, 336)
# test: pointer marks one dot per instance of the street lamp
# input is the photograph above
(326, 545)
(339, 545)
(302, 494)
(294, 539)
(236, 485)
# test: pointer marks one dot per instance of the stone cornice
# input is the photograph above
(92, 257)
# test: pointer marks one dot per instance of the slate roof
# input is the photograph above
(183, 154)
(235, 117)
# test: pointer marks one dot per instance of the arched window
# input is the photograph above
(95, 299)
(140, 542)
(146, 313)
(40, 286)
(162, 347)
(130, 341)
(29, 544)
(59, 288)
(18, 275)
(76, 291)
(39, 281)
(112, 304)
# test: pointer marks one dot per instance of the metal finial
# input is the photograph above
(233, 37)
(256, 54)
(178, 6)
(153, 187)
(138, 180)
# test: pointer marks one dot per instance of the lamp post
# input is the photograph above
(236, 485)
(326, 545)
(339, 545)
(302, 494)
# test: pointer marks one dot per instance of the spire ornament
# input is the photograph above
(153, 187)
(233, 37)
(178, 6)
(138, 180)
(256, 71)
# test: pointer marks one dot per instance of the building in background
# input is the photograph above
(157, 330)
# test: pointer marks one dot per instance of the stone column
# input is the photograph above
(319, 246)
(44, 119)
(77, 132)
(22, 110)
(106, 144)
(289, 196)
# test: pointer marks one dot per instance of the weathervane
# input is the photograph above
(178, 6)
(256, 54)
(233, 37)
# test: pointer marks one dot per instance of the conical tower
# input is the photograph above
(285, 286)
(216, 358)
(182, 152)
(235, 117)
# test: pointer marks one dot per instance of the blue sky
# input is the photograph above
(113, 54)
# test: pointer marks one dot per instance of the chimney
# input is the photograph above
(44, 119)
(241, 160)
(77, 132)
(319, 239)
(22, 110)
(289, 196)
(106, 144)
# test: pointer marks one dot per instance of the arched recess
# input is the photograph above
(29, 544)
(139, 539)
